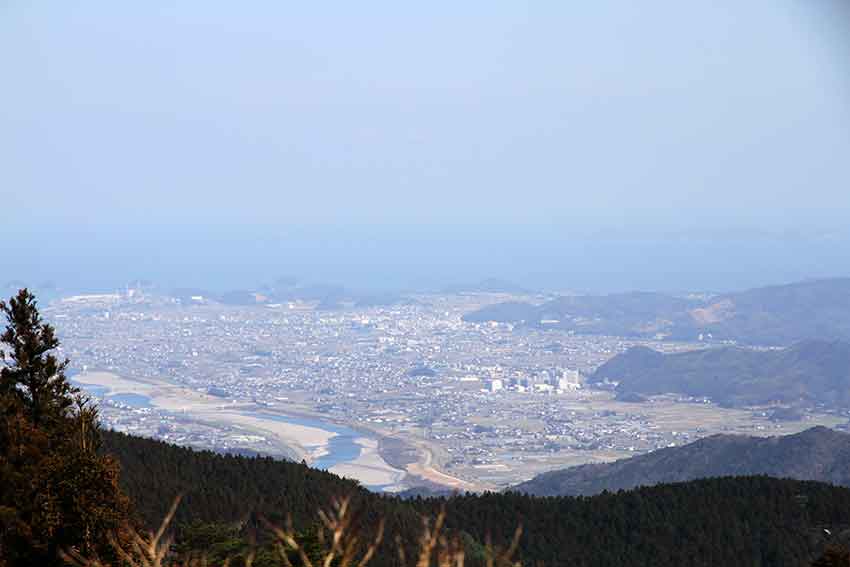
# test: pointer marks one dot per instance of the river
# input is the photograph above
(342, 448)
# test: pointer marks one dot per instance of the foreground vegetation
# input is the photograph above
(57, 489)
(731, 521)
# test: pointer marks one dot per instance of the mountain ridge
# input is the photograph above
(773, 315)
(816, 454)
(807, 373)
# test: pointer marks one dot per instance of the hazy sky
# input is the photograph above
(581, 144)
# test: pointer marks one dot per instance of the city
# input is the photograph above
(397, 396)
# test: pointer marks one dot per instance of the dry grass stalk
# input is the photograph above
(337, 535)
(341, 548)
(496, 558)
(148, 550)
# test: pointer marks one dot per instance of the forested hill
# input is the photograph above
(227, 488)
(819, 453)
(728, 521)
(811, 372)
(731, 521)
(231, 490)
(772, 315)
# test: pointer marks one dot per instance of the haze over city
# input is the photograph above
(379, 146)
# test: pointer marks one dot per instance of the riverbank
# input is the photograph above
(339, 449)
(371, 469)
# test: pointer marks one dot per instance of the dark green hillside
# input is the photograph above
(217, 487)
(816, 454)
(811, 372)
(228, 489)
(729, 521)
